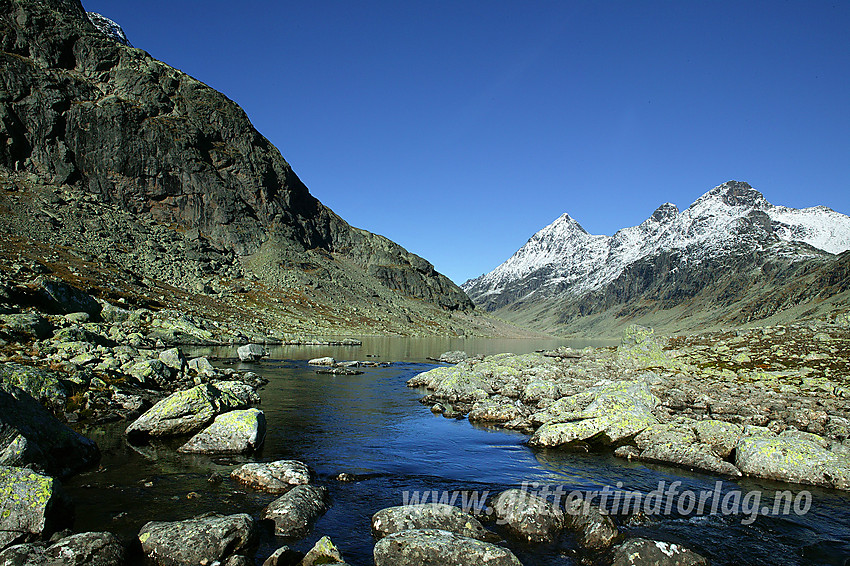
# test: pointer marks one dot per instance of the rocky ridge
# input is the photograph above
(128, 177)
(728, 252)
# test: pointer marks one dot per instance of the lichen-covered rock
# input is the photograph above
(429, 516)
(617, 411)
(43, 385)
(174, 359)
(30, 504)
(250, 352)
(201, 540)
(643, 552)
(419, 547)
(793, 457)
(323, 552)
(202, 366)
(676, 443)
(152, 373)
(325, 361)
(83, 549)
(234, 432)
(721, 436)
(640, 348)
(185, 412)
(295, 512)
(273, 477)
(31, 436)
(494, 411)
(528, 516)
(30, 325)
(453, 357)
(594, 530)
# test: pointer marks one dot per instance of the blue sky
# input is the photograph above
(458, 129)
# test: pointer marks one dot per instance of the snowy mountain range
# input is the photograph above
(731, 221)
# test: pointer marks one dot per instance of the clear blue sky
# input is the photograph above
(458, 129)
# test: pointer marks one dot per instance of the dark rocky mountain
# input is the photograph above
(84, 115)
(729, 258)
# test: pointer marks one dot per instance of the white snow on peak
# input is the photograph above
(108, 28)
(728, 218)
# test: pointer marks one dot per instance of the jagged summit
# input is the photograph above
(667, 212)
(732, 220)
(108, 28)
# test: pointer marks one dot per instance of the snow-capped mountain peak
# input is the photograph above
(733, 218)
(108, 28)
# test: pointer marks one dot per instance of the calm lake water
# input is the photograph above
(372, 424)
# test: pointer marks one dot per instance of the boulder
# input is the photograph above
(617, 411)
(202, 366)
(174, 359)
(152, 373)
(112, 314)
(640, 348)
(60, 298)
(250, 352)
(273, 477)
(83, 549)
(283, 556)
(326, 361)
(643, 552)
(323, 552)
(30, 325)
(528, 516)
(418, 547)
(186, 412)
(234, 432)
(31, 436)
(594, 530)
(31, 504)
(494, 411)
(453, 357)
(294, 512)
(429, 516)
(201, 540)
(676, 443)
(43, 385)
(721, 436)
(793, 457)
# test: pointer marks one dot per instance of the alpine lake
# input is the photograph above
(373, 427)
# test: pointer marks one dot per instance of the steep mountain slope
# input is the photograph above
(730, 245)
(81, 110)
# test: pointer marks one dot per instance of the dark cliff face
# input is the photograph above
(78, 107)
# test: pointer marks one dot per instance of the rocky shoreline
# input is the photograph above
(769, 402)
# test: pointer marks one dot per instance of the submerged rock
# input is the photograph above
(429, 516)
(594, 530)
(236, 432)
(643, 552)
(31, 436)
(201, 540)
(273, 477)
(528, 516)
(294, 512)
(89, 549)
(433, 546)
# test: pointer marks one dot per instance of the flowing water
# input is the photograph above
(372, 425)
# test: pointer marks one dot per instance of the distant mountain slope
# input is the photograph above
(81, 108)
(722, 249)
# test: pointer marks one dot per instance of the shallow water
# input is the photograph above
(372, 424)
